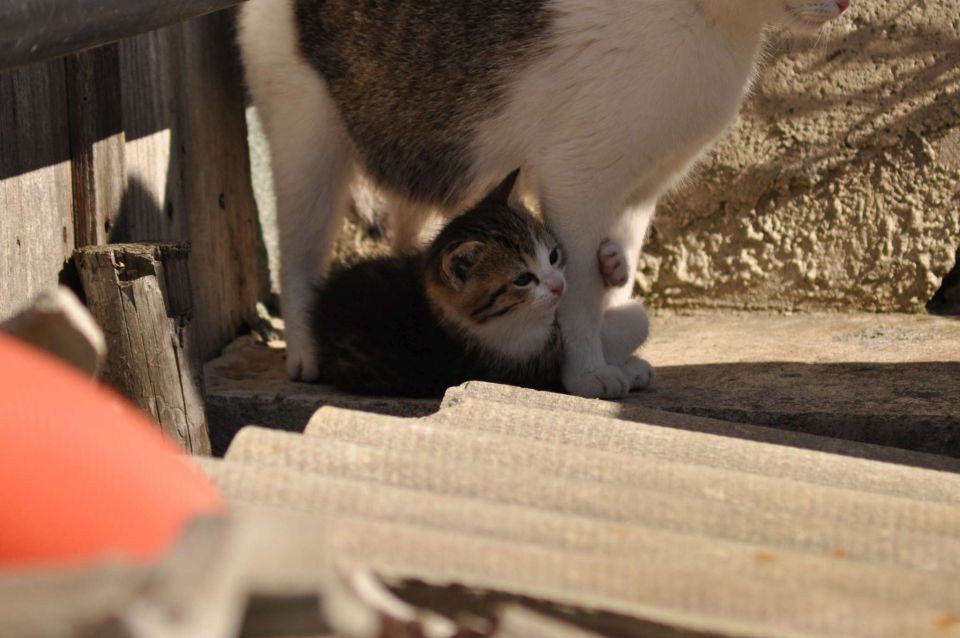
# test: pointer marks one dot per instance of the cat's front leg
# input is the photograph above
(585, 371)
(313, 167)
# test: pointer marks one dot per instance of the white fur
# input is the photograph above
(313, 164)
(630, 96)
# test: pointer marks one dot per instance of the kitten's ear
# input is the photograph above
(501, 194)
(458, 261)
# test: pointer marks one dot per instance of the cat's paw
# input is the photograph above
(613, 265)
(605, 382)
(303, 362)
(639, 373)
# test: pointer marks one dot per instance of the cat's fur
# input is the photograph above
(604, 103)
(479, 303)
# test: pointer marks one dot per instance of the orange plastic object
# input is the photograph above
(83, 474)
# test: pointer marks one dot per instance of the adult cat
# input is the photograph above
(605, 104)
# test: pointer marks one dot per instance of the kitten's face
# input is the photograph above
(497, 274)
(498, 283)
(810, 15)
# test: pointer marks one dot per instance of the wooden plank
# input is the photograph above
(96, 141)
(39, 29)
(188, 168)
(136, 293)
(36, 229)
(224, 229)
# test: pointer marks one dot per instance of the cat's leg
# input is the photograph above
(312, 165)
(407, 222)
(626, 325)
(626, 328)
(581, 223)
(627, 234)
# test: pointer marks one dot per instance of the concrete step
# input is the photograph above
(892, 380)
(889, 380)
(248, 384)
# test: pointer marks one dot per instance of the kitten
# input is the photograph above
(605, 104)
(479, 303)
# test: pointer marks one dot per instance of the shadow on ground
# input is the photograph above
(913, 406)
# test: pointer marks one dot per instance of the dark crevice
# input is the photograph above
(947, 300)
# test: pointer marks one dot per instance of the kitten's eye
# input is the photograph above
(555, 256)
(524, 280)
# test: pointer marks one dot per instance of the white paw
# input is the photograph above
(639, 372)
(303, 362)
(605, 382)
(613, 265)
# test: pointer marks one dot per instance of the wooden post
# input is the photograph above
(140, 295)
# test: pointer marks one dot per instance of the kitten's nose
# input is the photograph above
(843, 5)
(557, 287)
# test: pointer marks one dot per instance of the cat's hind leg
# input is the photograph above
(626, 328)
(581, 221)
(407, 222)
(312, 165)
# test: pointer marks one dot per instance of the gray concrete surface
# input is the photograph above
(891, 380)
(885, 379)
(248, 385)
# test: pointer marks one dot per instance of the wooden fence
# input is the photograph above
(139, 140)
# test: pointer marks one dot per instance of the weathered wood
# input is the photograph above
(188, 167)
(140, 295)
(156, 132)
(36, 229)
(96, 142)
(38, 29)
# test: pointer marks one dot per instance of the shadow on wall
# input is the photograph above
(840, 187)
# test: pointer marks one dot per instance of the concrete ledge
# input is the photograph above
(889, 380)
(248, 385)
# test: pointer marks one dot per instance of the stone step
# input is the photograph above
(248, 384)
(894, 531)
(890, 380)
(717, 589)
(887, 379)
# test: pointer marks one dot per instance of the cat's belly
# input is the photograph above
(619, 107)
(411, 78)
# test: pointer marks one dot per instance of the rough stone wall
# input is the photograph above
(840, 185)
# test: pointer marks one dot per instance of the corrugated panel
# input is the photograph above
(703, 532)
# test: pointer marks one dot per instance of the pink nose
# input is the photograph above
(558, 288)
(843, 5)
